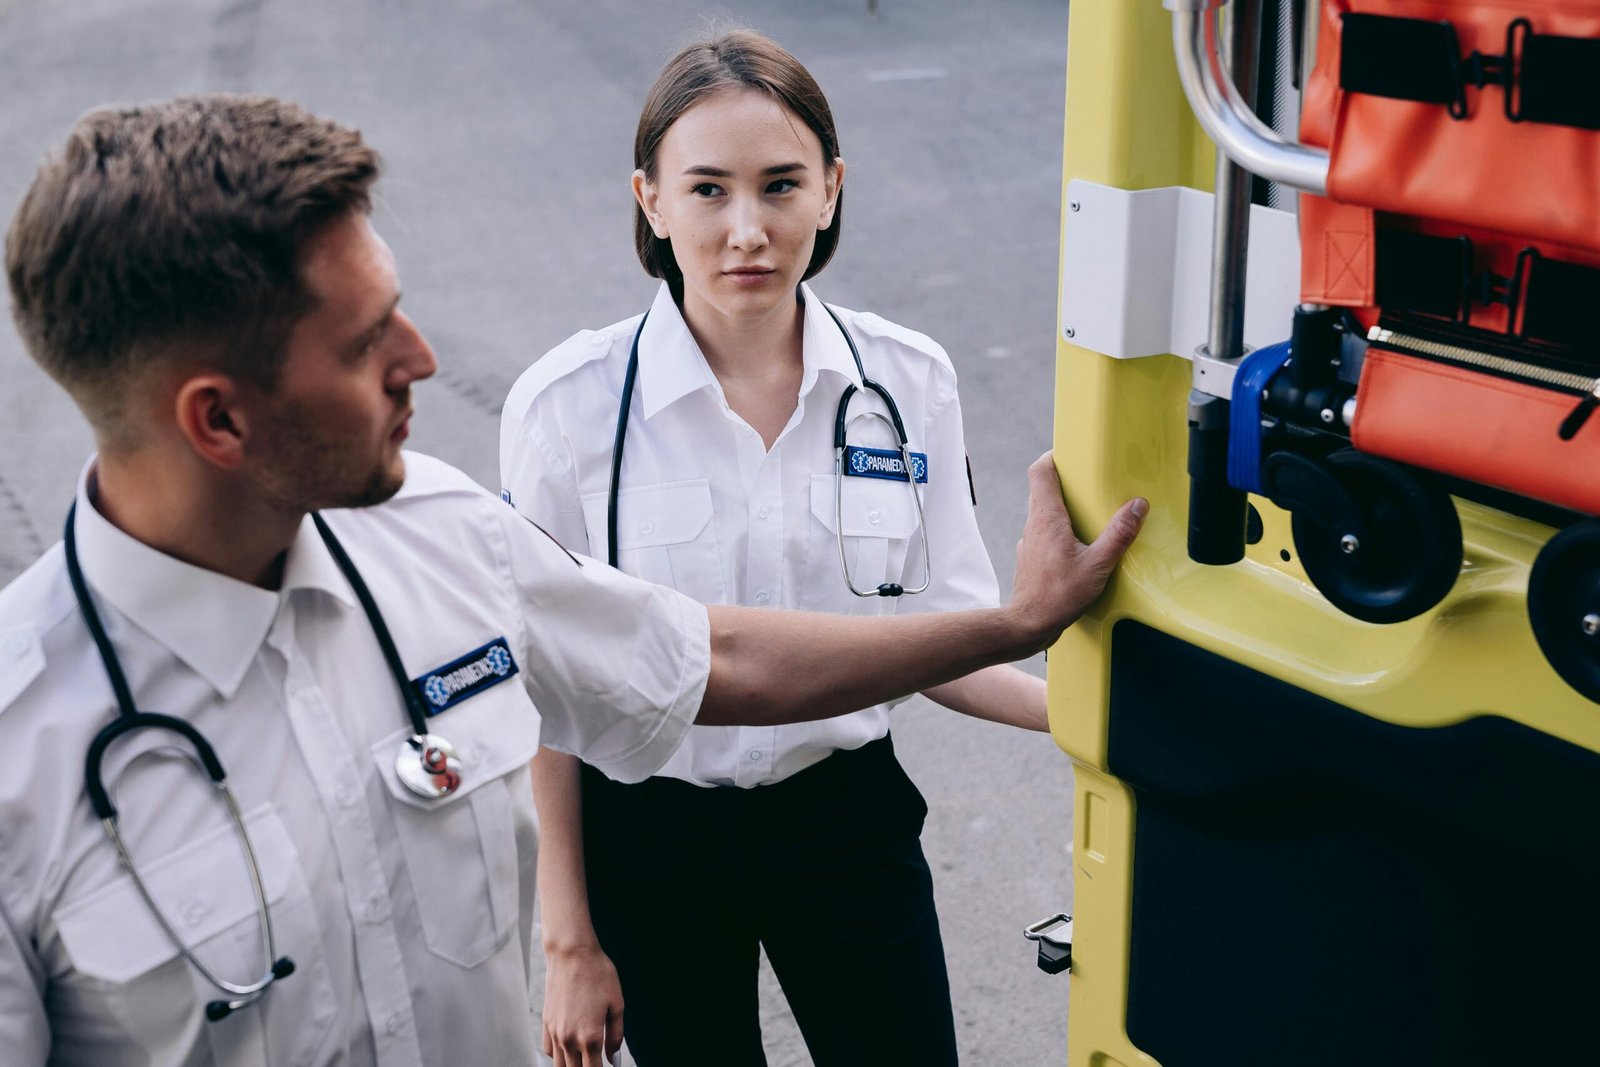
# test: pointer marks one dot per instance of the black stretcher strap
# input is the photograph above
(1561, 303)
(1550, 300)
(1421, 273)
(1559, 81)
(1547, 79)
(1405, 59)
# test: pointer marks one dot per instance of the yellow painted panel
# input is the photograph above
(1119, 431)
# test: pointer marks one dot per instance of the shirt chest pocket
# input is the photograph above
(463, 852)
(125, 968)
(665, 534)
(876, 521)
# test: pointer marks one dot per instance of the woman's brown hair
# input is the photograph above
(740, 59)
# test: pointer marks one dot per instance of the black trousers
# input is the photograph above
(824, 870)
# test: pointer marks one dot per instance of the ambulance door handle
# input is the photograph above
(1054, 937)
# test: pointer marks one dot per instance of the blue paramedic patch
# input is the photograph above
(444, 687)
(883, 463)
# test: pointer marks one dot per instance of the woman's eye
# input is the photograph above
(783, 185)
(706, 189)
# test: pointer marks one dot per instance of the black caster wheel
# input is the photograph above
(1400, 555)
(1564, 605)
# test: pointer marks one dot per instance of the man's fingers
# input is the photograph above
(613, 1033)
(1119, 533)
(1044, 489)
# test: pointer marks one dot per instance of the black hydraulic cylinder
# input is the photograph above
(1315, 343)
(1217, 514)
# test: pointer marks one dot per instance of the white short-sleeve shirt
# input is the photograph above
(704, 507)
(408, 920)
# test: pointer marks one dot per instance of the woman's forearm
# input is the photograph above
(1000, 694)
(563, 883)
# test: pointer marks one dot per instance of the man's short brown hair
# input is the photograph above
(176, 227)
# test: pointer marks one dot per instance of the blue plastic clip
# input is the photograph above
(1244, 414)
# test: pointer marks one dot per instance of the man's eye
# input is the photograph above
(374, 339)
(783, 185)
(706, 189)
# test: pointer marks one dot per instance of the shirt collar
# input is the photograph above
(671, 365)
(823, 345)
(213, 623)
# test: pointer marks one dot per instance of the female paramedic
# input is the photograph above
(747, 443)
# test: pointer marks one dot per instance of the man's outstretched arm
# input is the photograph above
(777, 666)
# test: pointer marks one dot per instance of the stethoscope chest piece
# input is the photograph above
(429, 766)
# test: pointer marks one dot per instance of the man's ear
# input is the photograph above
(644, 191)
(833, 184)
(210, 414)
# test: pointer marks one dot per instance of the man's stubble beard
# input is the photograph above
(306, 468)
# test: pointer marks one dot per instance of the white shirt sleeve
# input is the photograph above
(963, 577)
(616, 666)
(539, 481)
(24, 1029)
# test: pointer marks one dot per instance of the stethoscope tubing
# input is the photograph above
(130, 719)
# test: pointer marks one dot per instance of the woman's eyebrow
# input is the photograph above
(706, 171)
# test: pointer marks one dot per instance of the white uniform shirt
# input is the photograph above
(705, 508)
(408, 920)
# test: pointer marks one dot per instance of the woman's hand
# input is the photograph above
(582, 1007)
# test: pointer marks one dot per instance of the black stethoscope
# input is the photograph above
(841, 428)
(426, 764)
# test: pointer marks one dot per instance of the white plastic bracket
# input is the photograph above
(1136, 271)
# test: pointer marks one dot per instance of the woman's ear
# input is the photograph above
(833, 182)
(644, 191)
(209, 412)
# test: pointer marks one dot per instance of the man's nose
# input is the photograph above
(417, 359)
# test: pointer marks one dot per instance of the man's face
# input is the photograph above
(330, 433)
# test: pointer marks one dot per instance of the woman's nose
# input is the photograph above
(748, 230)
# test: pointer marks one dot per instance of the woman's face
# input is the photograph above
(741, 189)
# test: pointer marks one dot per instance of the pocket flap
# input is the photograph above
(867, 507)
(647, 515)
(203, 889)
(493, 733)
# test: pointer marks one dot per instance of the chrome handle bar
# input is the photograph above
(1224, 115)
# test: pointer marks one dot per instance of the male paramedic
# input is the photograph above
(265, 797)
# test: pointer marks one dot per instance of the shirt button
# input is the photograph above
(647, 527)
(394, 1022)
(375, 910)
(599, 339)
(755, 755)
(874, 516)
(194, 913)
(765, 511)
(762, 597)
(345, 797)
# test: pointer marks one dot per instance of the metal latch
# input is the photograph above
(1054, 936)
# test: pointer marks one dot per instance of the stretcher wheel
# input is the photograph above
(1399, 560)
(1564, 605)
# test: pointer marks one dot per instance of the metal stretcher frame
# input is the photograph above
(1187, 686)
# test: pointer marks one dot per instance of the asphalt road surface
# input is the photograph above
(507, 129)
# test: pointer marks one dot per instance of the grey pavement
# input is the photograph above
(507, 130)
